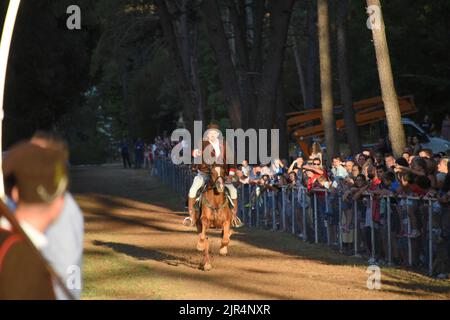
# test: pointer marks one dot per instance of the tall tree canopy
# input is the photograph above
(138, 67)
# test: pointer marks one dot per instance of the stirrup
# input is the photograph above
(188, 222)
(237, 223)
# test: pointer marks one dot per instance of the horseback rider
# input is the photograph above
(216, 150)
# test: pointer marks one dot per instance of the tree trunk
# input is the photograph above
(183, 84)
(227, 75)
(280, 16)
(300, 69)
(281, 122)
(351, 127)
(256, 54)
(184, 37)
(188, 50)
(312, 58)
(256, 60)
(198, 91)
(389, 95)
(127, 101)
(329, 124)
(247, 89)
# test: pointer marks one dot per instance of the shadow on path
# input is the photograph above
(142, 254)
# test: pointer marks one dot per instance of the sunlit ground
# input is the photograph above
(136, 248)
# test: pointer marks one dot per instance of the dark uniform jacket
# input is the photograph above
(22, 275)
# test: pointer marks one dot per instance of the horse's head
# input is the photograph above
(218, 178)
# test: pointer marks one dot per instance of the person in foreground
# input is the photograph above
(36, 180)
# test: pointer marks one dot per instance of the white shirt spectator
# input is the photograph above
(65, 244)
(339, 172)
(246, 170)
(266, 170)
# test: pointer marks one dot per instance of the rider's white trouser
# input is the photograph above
(199, 181)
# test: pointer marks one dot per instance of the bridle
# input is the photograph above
(214, 182)
(214, 186)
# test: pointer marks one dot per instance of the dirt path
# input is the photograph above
(136, 248)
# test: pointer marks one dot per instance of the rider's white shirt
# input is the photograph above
(216, 147)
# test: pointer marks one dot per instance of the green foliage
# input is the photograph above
(115, 78)
(47, 67)
(132, 69)
(88, 130)
(418, 34)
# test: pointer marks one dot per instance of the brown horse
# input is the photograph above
(215, 213)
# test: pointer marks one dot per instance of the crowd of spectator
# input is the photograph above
(145, 153)
(352, 196)
(365, 181)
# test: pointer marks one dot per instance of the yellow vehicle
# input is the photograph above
(309, 123)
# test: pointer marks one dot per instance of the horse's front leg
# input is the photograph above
(207, 262)
(201, 228)
(203, 244)
(225, 239)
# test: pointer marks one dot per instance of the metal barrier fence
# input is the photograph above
(177, 177)
(321, 216)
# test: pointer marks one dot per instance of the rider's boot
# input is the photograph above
(235, 222)
(192, 218)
